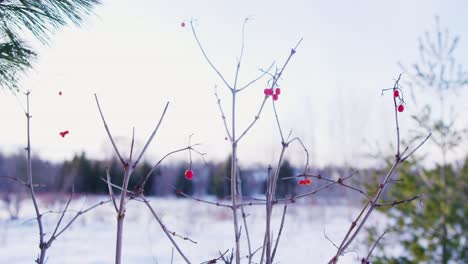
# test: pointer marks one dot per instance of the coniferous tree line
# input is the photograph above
(87, 175)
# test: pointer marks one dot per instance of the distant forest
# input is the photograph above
(87, 175)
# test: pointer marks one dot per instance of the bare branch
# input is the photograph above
(329, 240)
(399, 202)
(151, 136)
(63, 213)
(20, 181)
(417, 147)
(258, 78)
(306, 166)
(201, 200)
(241, 55)
(81, 212)
(111, 193)
(257, 116)
(277, 120)
(223, 117)
(283, 217)
(131, 145)
(42, 244)
(108, 131)
(206, 57)
(366, 260)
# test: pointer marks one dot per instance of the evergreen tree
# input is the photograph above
(220, 180)
(285, 187)
(38, 17)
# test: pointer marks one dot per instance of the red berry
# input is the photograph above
(275, 97)
(301, 182)
(188, 174)
(307, 181)
(268, 91)
(396, 93)
(182, 24)
(64, 133)
(278, 91)
(60, 92)
(401, 108)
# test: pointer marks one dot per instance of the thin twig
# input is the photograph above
(63, 213)
(283, 217)
(108, 131)
(206, 57)
(79, 213)
(257, 116)
(398, 202)
(223, 117)
(329, 240)
(306, 166)
(238, 66)
(201, 200)
(20, 181)
(131, 145)
(366, 260)
(258, 78)
(111, 193)
(148, 175)
(417, 147)
(151, 136)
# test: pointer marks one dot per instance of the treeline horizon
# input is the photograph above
(88, 175)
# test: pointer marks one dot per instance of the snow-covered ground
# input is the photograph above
(91, 238)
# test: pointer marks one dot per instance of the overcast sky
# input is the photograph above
(136, 56)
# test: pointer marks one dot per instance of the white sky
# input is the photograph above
(136, 57)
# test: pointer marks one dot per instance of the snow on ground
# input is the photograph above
(91, 238)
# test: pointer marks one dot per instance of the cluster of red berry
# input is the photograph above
(306, 181)
(269, 91)
(396, 93)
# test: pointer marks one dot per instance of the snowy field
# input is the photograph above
(91, 238)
